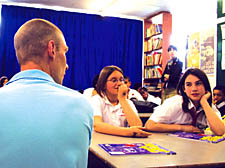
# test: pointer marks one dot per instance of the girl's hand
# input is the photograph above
(190, 128)
(205, 97)
(137, 131)
(166, 77)
(122, 92)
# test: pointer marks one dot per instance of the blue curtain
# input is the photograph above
(94, 42)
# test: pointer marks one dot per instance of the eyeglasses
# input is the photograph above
(114, 80)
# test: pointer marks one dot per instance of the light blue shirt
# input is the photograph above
(43, 124)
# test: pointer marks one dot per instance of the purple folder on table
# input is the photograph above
(200, 137)
(135, 148)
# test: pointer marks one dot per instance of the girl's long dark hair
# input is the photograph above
(180, 87)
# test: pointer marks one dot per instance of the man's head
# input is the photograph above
(172, 51)
(218, 94)
(39, 44)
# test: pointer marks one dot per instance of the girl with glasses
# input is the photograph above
(113, 113)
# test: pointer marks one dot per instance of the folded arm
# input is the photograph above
(159, 127)
(215, 123)
(132, 118)
(100, 126)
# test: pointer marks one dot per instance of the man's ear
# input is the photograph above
(51, 49)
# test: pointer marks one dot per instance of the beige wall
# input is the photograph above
(212, 80)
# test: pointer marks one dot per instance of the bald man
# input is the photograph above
(43, 124)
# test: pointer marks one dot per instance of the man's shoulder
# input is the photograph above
(66, 90)
(88, 89)
(180, 62)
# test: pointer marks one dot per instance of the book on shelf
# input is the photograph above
(156, 43)
(153, 30)
(153, 72)
(148, 59)
(153, 44)
(157, 58)
(149, 44)
(153, 58)
(145, 46)
(158, 28)
(148, 34)
(159, 71)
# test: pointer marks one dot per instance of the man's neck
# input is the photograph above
(31, 65)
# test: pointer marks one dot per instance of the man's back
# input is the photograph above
(43, 124)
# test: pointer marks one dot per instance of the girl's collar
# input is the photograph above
(191, 105)
(108, 101)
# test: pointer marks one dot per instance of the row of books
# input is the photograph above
(153, 58)
(153, 29)
(153, 44)
(153, 72)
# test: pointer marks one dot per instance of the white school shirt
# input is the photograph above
(135, 94)
(221, 104)
(153, 99)
(88, 93)
(110, 114)
(171, 112)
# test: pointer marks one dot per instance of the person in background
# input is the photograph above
(149, 98)
(3, 81)
(171, 74)
(189, 111)
(90, 92)
(44, 124)
(132, 93)
(137, 86)
(113, 113)
(219, 98)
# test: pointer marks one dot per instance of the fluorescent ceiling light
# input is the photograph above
(128, 6)
(99, 5)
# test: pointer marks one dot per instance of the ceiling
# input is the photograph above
(140, 9)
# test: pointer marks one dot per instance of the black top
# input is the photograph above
(173, 69)
(221, 108)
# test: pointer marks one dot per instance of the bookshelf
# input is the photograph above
(157, 31)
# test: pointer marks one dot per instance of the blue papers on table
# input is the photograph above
(135, 148)
(200, 137)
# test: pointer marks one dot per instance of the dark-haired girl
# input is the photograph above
(189, 111)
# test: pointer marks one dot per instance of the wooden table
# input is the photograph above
(190, 153)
